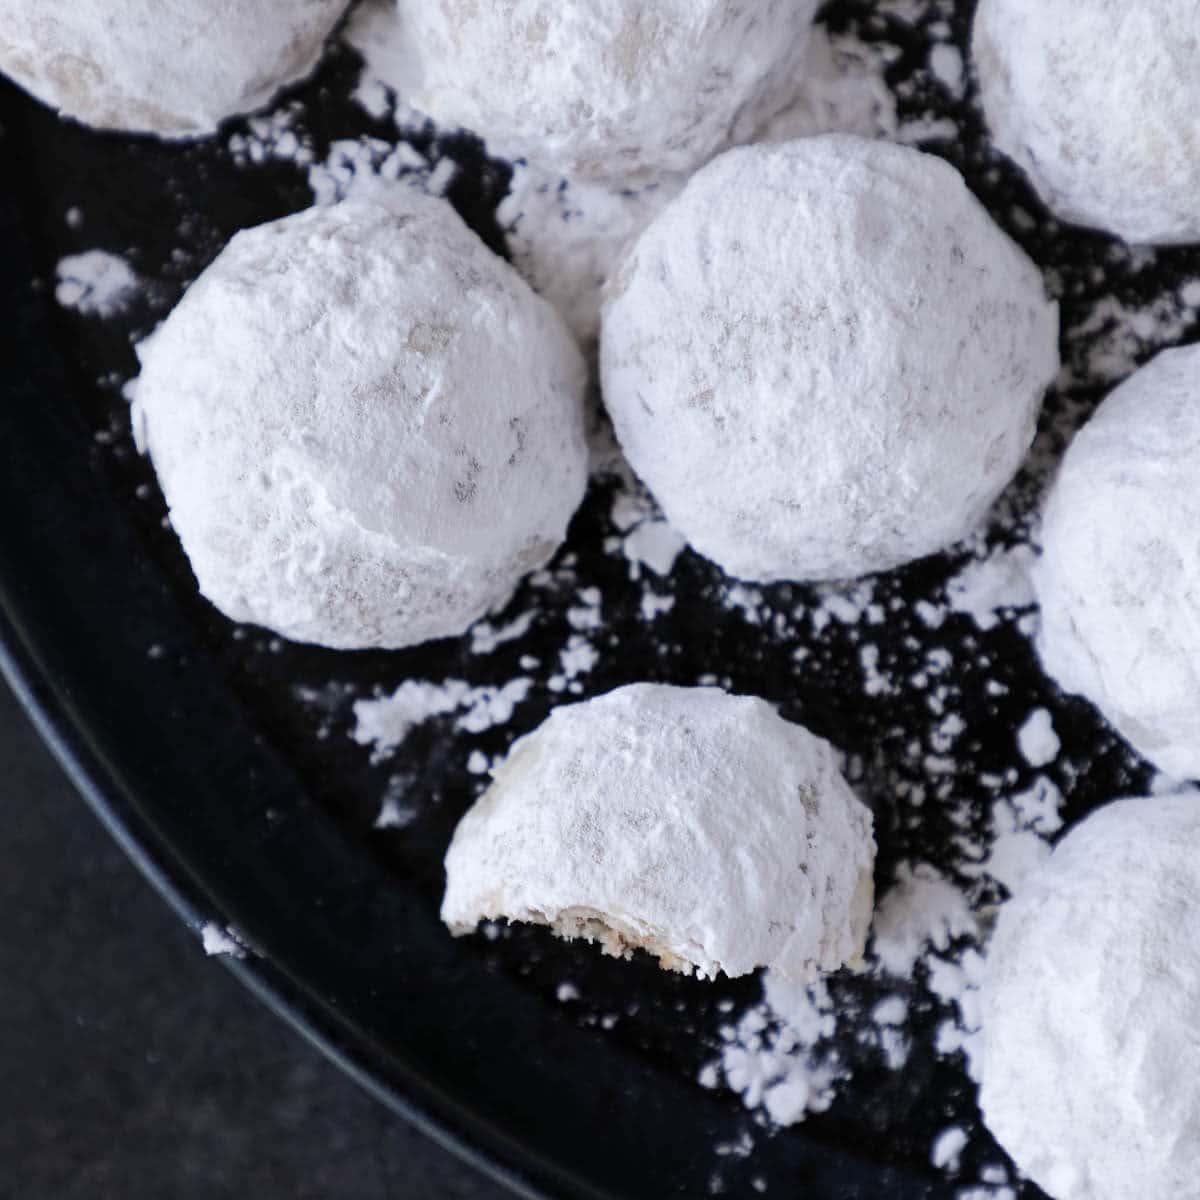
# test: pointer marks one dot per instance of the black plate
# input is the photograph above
(246, 806)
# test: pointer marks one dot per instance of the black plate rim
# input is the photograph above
(40, 701)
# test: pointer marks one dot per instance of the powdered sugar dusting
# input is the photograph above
(384, 723)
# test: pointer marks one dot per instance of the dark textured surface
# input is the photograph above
(132, 1065)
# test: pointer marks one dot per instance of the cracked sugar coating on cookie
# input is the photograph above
(1096, 100)
(613, 90)
(694, 824)
(1119, 577)
(1091, 1062)
(175, 69)
(366, 426)
(824, 359)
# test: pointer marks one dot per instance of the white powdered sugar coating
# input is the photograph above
(1091, 1064)
(567, 235)
(176, 70)
(695, 824)
(618, 90)
(95, 283)
(824, 359)
(1096, 101)
(332, 464)
(1119, 579)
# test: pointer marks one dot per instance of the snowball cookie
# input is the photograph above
(824, 359)
(366, 425)
(1119, 577)
(175, 69)
(1091, 1058)
(1096, 100)
(696, 825)
(617, 89)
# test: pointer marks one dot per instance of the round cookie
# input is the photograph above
(1119, 577)
(366, 425)
(619, 90)
(173, 69)
(1091, 1063)
(824, 359)
(696, 825)
(1096, 101)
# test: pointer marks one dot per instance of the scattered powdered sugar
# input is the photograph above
(985, 588)
(566, 992)
(946, 1149)
(922, 910)
(652, 544)
(349, 164)
(576, 658)
(96, 283)
(485, 636)
(946, 63)
(385, 722)
(272, 137)
(778, 1056)
(1116, 334)
(397, 810)
(1015, 851)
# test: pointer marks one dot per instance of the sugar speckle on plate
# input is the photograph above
(96, 283)
(1036, 739)
(218, 940)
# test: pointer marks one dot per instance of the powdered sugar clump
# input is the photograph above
(218, 940)
(923, 910)
(1037, 740)
(987, 588)
(778, 1056)
(96, 283)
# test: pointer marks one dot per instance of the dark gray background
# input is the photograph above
(132, 1065)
